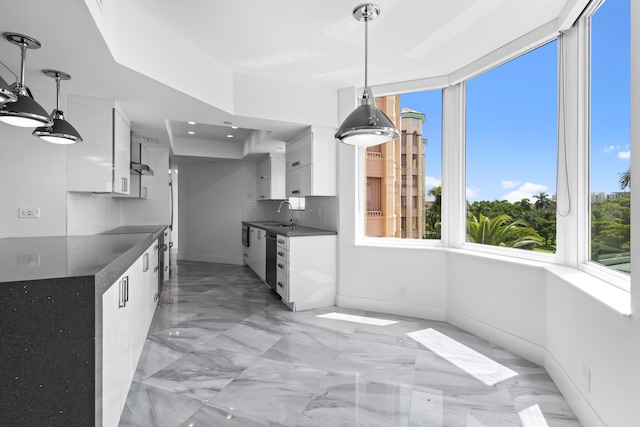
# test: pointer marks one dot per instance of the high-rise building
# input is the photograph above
(395, 177)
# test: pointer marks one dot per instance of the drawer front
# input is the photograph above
(282, 286)
(282, 267)
(282, 242)
(282, 255)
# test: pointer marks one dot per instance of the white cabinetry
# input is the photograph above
(270, 177)
(257, 251)
(101, 162)
(311, 164)
(127, 311)
(306, 271)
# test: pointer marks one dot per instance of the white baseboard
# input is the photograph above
(419, 311)
(575, 398)
(513, 343)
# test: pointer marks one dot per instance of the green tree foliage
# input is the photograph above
(501, 230)
(433, 215)
(610, 227)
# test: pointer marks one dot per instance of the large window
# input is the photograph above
(511, 146)
(610, 165)
(403, 176)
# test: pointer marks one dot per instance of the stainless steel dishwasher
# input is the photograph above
(272, 248)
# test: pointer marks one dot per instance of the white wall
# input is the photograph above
(210, 206)
(32, 173)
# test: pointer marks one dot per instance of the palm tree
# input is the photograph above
(502, 231)
(625, 179)
(543, 201)
(433, 214)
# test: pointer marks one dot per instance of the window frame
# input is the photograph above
(573, 231)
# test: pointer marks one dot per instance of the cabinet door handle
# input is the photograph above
(126, 284)
(144, 192)
(280, 284)
(295, 191)
(124, 184)
(281, 266)
(281, 253)
(294, 164)
(145, 263)
(121, 301)
(280, 241)
(262, 197)
(262, 177)
(156, 269)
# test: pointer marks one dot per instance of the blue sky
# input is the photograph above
(512, 118)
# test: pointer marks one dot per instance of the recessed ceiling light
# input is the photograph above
(229, 136)
(192, 123)
(191, 133)
(234, 127)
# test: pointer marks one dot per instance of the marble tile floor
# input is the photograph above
(223, 351)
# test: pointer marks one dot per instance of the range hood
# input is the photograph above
(141, 169)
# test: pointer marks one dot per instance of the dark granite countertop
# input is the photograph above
(297, 231)
(105, 255)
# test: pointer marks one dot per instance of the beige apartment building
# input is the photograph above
(395, 177)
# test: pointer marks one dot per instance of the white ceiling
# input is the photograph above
(314, 44)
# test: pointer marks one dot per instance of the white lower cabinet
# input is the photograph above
(127, 310)
(257, 252)
(306, 271)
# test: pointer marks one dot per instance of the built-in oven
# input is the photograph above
(245, 235)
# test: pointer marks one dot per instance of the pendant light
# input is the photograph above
(24, 111)
(6, 94)
(61, 131)
(367, 125)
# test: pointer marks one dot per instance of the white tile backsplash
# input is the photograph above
(89, 213)
(320, 212)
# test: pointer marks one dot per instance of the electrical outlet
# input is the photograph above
(403, 291)
(29, 260)
(28, 212)
(586, 378)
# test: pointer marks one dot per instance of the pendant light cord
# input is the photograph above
(366, 52)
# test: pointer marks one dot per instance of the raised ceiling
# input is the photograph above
(313, 48)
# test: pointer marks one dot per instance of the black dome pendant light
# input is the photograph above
(367, 125)
(24, 111)
(61, 131)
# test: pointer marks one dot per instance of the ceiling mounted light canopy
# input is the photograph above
(24, 111)
(367, 125)
(61, 131)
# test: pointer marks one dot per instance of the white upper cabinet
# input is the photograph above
(311, 164)
(270, 177)
(100, 163)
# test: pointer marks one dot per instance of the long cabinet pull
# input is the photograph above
(294, 164)
(281, 266)
(124, 184)
(156, 269)
(121, 301)
(281, 253)
(126, 284)
(280, 284)
(295, 191)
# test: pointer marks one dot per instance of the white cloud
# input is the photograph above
(430, 181)
(472, 192)
(509, 184)
(624, 154)
(609, 149)
(525, 191)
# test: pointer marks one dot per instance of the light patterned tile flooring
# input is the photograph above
(222, 350)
